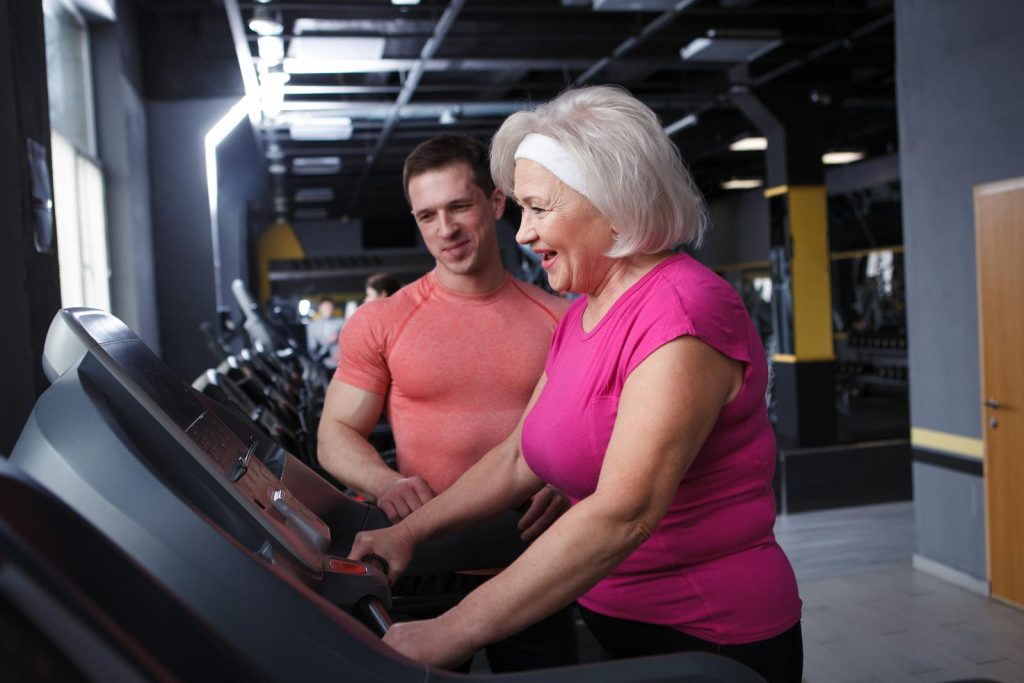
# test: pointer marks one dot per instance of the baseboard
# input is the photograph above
(954, 576)
(843, 475)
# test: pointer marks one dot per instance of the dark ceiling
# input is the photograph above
(470, 63)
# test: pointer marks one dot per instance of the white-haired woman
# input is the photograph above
(650, 416)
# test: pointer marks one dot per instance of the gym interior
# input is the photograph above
(183, 181)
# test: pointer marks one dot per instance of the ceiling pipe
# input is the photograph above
(444, 24)
(633, 42)
(822, 51)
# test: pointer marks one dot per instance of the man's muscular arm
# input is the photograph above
(348, 418)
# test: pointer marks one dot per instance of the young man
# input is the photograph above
(454, 358)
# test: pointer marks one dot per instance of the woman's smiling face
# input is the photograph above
(560, 225)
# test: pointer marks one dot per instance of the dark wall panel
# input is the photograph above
(28, 280)
(181, 227)
(739, 229)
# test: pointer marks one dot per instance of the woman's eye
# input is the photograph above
(537, 209)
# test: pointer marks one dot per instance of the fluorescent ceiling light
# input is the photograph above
(447, 118)
(275, 78)
(842, 157)
(405, 2)
(264, 22)
(274, 152)
(340, 66)
(320, 47)
(322, 128)
(730, 46)
(311, 195)
(271, 48)
(316, 165)
(742, 184)
(310, 213)
(749, 144)
(277, 169)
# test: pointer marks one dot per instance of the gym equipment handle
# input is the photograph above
(371, 610)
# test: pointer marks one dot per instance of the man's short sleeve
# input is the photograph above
(362, 361)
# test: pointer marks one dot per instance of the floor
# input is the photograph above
(869, 616)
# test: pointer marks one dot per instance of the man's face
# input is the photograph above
(456, 218)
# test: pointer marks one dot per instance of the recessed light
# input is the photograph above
(742, 184)
(841, 157)
(749, 144)
(264, 22)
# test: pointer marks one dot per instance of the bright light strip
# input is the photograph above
(304, 65)
(405, 2)
(835, 158)
(211, 140)
(685, 122)
(751, 144)
(742, 184)
(264, 22)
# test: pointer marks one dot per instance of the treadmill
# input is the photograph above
(248, 541)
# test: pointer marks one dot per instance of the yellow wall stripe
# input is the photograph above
(843, 255)
(810, 266)
(948, 443)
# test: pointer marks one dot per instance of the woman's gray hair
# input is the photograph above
(633, 170)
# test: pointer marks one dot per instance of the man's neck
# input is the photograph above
(481, 281)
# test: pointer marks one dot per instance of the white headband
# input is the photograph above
(551, 155)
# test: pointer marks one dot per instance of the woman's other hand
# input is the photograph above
(433, 642)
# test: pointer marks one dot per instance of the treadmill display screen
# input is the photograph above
(218, 442)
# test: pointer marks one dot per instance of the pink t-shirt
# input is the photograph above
(457, 370)
(712, 567)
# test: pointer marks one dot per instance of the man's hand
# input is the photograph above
(403, 496)
(546, 506)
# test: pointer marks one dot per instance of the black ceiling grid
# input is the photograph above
(462, 66)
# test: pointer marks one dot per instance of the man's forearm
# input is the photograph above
(353, 461)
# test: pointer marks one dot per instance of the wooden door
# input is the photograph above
(999, 239)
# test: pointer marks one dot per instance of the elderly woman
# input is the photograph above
(650, 416)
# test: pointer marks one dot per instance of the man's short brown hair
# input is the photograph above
(447, 150)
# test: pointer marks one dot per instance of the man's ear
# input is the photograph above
(498, 203)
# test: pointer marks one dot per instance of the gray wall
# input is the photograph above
(181, 221)
(123, 149)
(959, 85)
(330, 237)
(949, 518)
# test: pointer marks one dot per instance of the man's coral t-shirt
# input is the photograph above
(457, 370)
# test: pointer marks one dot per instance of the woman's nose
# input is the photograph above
(526, 233)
